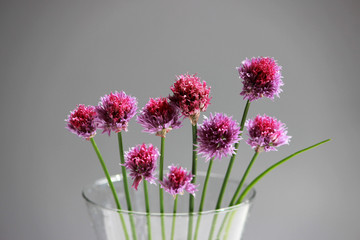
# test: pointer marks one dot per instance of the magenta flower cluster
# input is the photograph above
(115, 111)
(266, 133)
(261, 78)
(82, 121)
(217, 136)
(191, 96)
(141, 162)
(177, 181)
(159, 116)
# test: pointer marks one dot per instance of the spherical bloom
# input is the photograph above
(115, 111)
(177, 181)
(266, 133)
(159, 116)
(261, 77)
(81, 121)
(217, 135)
(141, 161)
(191, 96)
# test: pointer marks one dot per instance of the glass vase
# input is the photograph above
(108, 222)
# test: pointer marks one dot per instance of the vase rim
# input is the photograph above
(118, 177)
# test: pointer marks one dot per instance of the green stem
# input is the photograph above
(194, 170)
(251, 185)
(203, 197)
(147, 207)
(174, 217)
(126, 186)
(237, 192)
(228, 171)
(161, 191)
(117, 202)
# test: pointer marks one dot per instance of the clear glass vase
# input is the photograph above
(108, 222)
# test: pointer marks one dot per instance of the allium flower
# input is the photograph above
(217, 135)
(266, 133)
(115, 111)
(191, 96)
(81, 121)
(141, 161)
(159, 116)
(177, 181)
(261, 77)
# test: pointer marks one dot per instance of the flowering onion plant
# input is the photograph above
(216, 138)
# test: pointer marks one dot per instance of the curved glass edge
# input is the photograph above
(115, 178)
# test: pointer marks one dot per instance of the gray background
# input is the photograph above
(56, 54)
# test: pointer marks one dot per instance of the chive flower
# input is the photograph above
(115, 111)
(191, 96)
(217, 136)
(82, 121)
(266, 133)
(141, 162)
(261, 78)
(159, 116)
(177, 181)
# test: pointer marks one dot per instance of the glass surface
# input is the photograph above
(105, 217)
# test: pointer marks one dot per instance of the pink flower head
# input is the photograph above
(177, 181)
(266, 133)
(261, 77)
(81, 121)
(159, 116)
(115, 111)
(141, 161)
(191, 96)
(217, 135)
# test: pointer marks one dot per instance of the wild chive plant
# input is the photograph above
(217, 137)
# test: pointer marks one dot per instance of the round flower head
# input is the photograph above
(81, 121)
(261, 77)
(191, 96)
(115, 111)
(217, 135)
(141, 161)
(266, 133)
(159, 116)
(177, 181)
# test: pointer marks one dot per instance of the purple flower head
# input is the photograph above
(141, 161)
(261, 77)
(115, 111)
(159, 117)
(191, 96)
(217, 135)
(266, 133)
(81, 121)
(177, 181)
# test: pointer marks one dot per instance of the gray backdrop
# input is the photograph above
(56, 54)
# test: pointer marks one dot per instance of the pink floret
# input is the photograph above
(261, 78)
(115, 111)
(191, 96)
(266, 133)
(141, 162)
(82, 121)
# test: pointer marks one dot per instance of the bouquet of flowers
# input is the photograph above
(217, 137)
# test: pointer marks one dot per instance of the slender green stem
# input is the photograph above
(228, 171)
(237, 192)
(251, 185)
(194, 170)
(147, 207)
(174, 217)
(117, 202)
(161, 191)
(233, 200)
(202, 201)
(126, 186)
